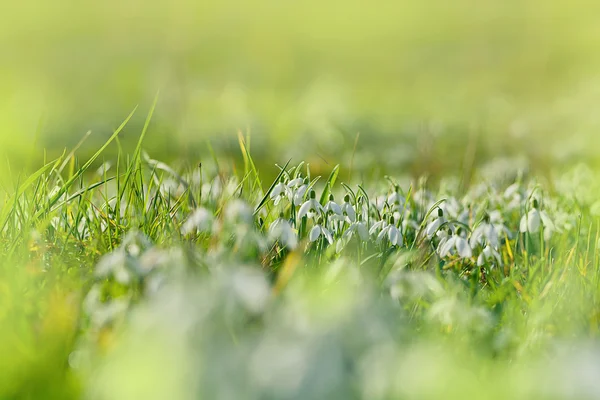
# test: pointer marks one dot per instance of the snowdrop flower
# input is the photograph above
(297, 189)
(435, 225)
(295, 183)
(310, 207)
(379, 202)
(282, 231)
(392, 233)
(395, 199)
(332, 208)
(348, 210)
(279, 192)
(199, 221)
(534, 219)
(358, 227)
(485, 232)
(455, 244)
(298, 196)
(489, 254)
(378, 226)
(319, 230)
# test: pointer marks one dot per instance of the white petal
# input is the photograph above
(523, 224)
(433, 227)
(295, 182)
(533, 221)
(393, 234)
(382, 234)
(304, 210)
(327, 235)
(299, 195)
(315, 232)
(334, 207)
(446, 247)
(277, 190)
(377, 225)
(476, 236)
(480, 260)
(464, 250)
(546, 220)
(349, 211)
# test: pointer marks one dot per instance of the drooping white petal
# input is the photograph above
(463, 248)
(446, 247)
(277, 190)
(547, 221)
(333, 207)
(299, 195)
(523, 224)
(304, 209)
(327, 235)
(295, 182)
(348, 210)
(315, 232)
(434, 226)
(533, 221)
(394, 236)
(382, 234)
(480, 260)
(376, 226)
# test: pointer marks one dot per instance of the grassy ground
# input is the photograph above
(129, 278)
(340, 200)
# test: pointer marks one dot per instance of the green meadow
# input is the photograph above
(299, 200)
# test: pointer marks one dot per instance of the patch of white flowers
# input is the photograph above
(474, 228)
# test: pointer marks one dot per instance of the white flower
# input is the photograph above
(393, 234)
(297, 189)
(485, 232)
(348, 210)
(455, 244)
(199, 221)
(534, 219)
(358, 227)
(282, 231)
(279, 192)
(317, 231)
(395, 199)
(489, 254)
(435, 225)
(294, 183)
(310, 207)
(332, 208)
(377, 226)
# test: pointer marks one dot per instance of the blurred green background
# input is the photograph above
(419, 80)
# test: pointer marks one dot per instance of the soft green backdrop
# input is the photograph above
(419, 80)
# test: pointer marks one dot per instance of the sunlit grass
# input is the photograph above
(113, 274)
